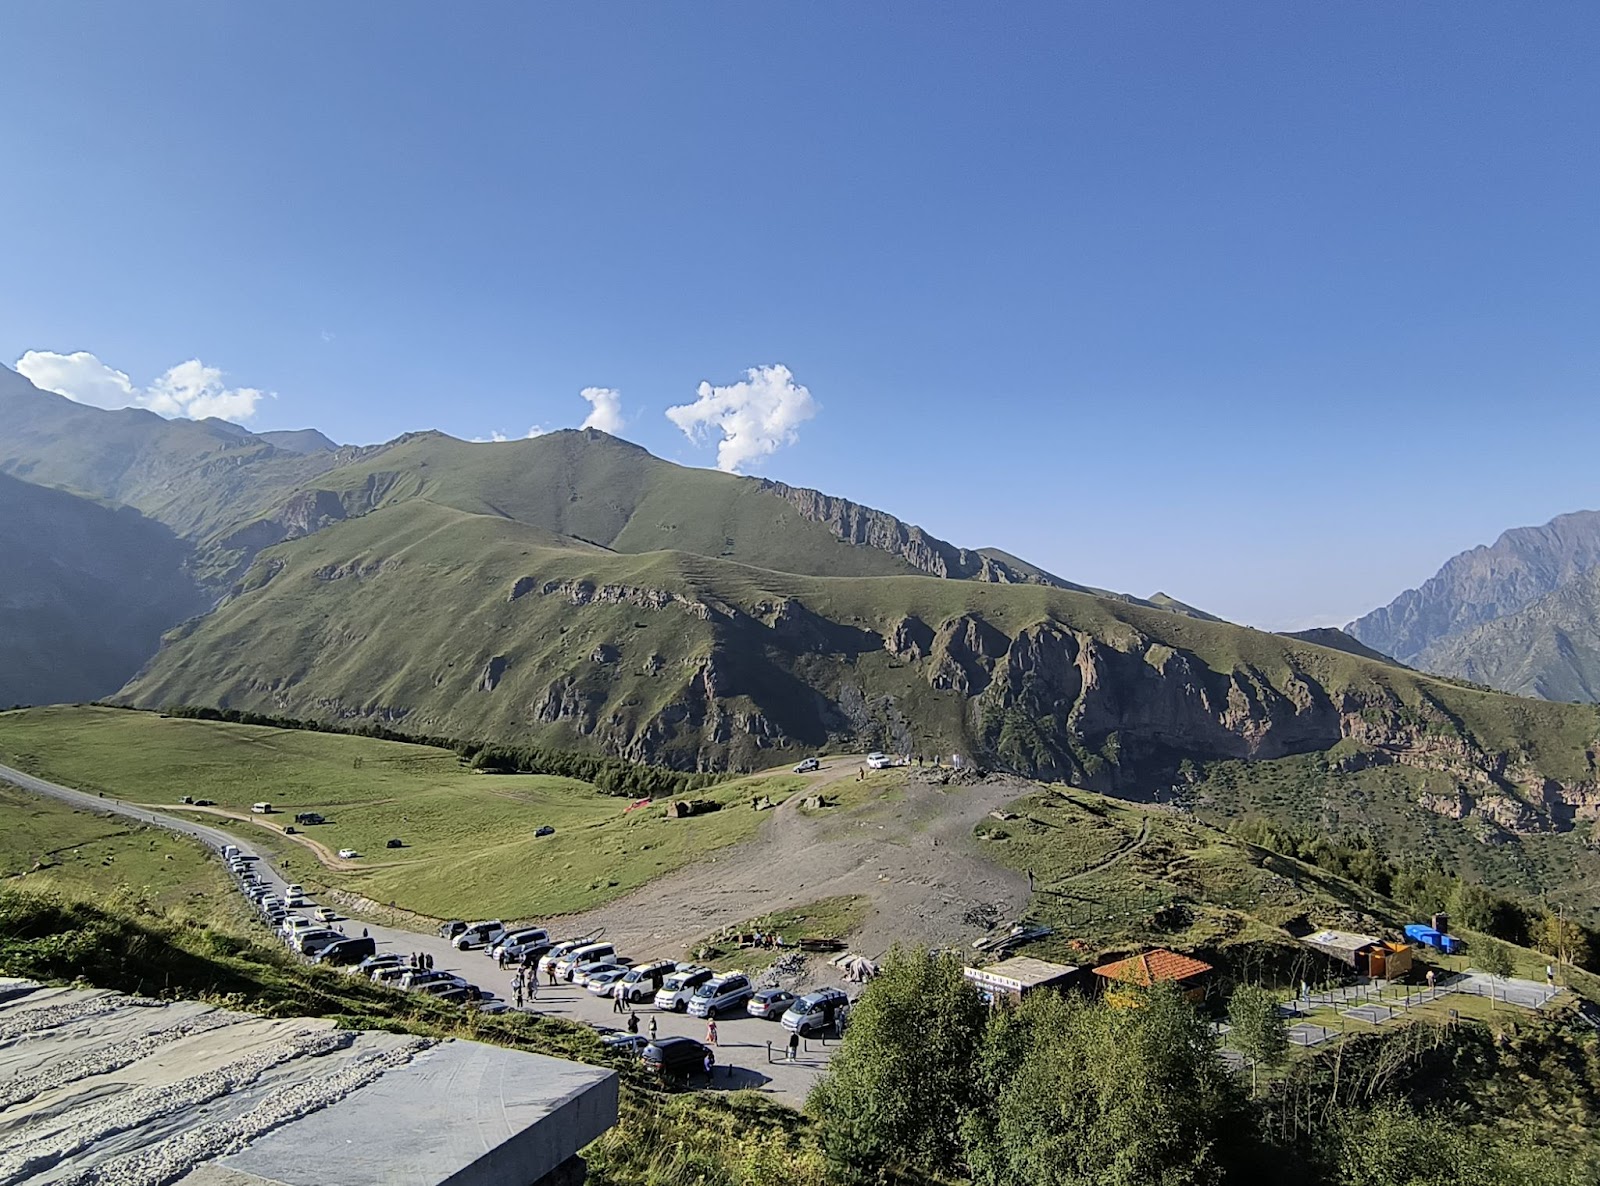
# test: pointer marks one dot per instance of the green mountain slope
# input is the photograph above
(197, 477)
(1338, 640)
(446, 621)
(85, 594)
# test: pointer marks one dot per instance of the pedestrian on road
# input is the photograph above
(794, 1045)
(364, 934)
(710, 1062)
(517, 989)
(711, 1032)
(652, 1029)
(633, 1023)
(552, 970)
(533, 983)
(501, 959)
(616, 1001)
(1430, 979)
(430, 962)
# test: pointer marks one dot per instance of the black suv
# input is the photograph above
(670, 1057)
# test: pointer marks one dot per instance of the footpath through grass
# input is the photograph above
(470, 847)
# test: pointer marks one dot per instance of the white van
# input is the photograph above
(816, 1011)
(480, 934)
(293, 924)
(514, 943)
(724, 992)
(677, 989)
(261, 808)
(592, 953)
(547, 961)
(230, 852)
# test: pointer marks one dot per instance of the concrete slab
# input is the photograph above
(1308, 1034)
(117, 1089)
(1371, 1014)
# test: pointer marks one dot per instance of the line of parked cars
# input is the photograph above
(316, 938)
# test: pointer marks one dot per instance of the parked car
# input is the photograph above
(549, 958)
(389, 959)
(722, 992)
(589, 953)
(311, 942)
(876, 761)
(675, 1057)
(390, 974)
(603, 982)
(632, 1044)
(416, 978)
(513, 942)
(583, 975)
(677, 989)
(453, 986)
(348, 854)
(528, 951)
(769, 1003)
(479, 934)
(449, 930)
(544, 830)
(641, 983)
(347, 951)
(395, 844)
(807, 766)
(816, 1011)
(293, 923)
(326, 914)
(308, 817)
(582, 972)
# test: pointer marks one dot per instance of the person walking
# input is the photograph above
(616, 999)
(652, 1029)
(532, 978)
(364, 934)
(633, 1023)
(516, 988)
(711, 1032)
(551, 969)
(710, 1063)
(794, 1045)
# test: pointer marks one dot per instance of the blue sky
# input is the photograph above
(1273, 307)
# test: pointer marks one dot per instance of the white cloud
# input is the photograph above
(756, 417)
(189, 389)
(606, 414)
(495, 436)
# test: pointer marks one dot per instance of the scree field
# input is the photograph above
(469, 847)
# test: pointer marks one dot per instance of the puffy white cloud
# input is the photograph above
(189, 389)
(81, 377)
(756, 416)
(606, 413)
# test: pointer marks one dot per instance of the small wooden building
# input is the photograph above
(1015, 978)
(1367, 955)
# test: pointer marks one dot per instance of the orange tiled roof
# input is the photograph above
(1148, 967)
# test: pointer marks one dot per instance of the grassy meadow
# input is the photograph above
(46, 845)
(470, 847)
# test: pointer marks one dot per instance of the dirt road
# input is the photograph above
(912, 856)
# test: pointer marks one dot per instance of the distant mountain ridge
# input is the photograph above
(1482, 584)
(573, 590)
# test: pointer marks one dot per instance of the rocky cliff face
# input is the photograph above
(865, 527)
(1482, 584)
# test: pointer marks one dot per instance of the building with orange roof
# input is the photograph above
(1154, 967)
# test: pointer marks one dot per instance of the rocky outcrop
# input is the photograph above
(865, 527)
(1485, 583)
(492, 671)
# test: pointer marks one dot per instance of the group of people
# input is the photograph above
(525, 983)
(766, 939)
(422, 961)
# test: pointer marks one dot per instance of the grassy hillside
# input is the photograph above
(86, 591)
(467, 624)
(470, 843)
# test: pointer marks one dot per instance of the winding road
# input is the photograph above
(746, 1045)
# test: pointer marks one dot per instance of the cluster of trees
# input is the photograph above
(1427, 888)
(611, 776)
(1062, 1090)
